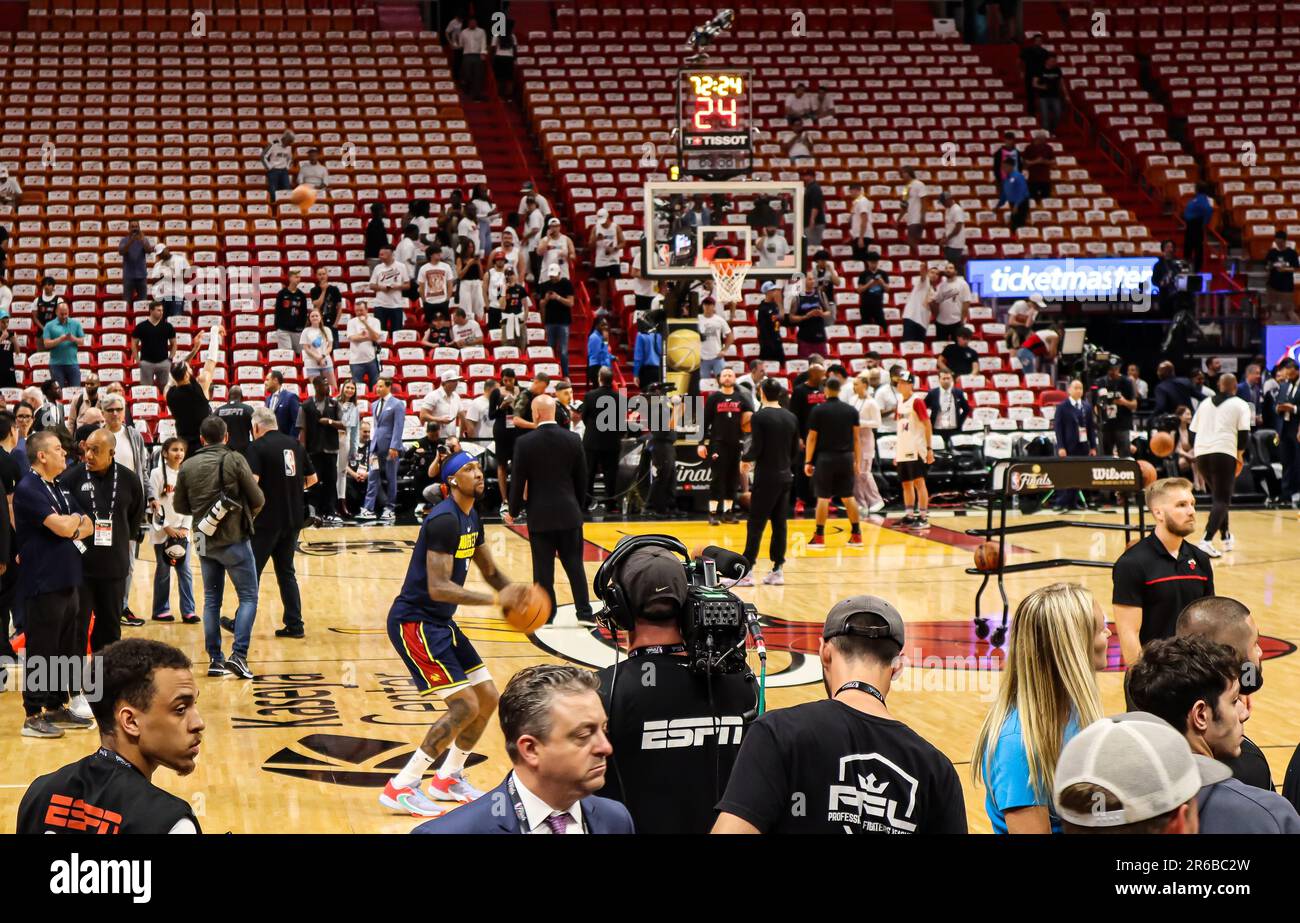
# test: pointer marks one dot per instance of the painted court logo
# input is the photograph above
(75, 875)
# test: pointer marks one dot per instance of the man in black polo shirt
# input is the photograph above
(51, 533)
(319, 424)
(283, 471)
(147, 718)
(238, 418)
(1156, 578)
(110, 494)
(831, 459)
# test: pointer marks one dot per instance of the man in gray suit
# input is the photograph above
(388, 413)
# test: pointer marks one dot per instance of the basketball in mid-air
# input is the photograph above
(532, 612)
(304, 197)
(987, 556)
(1148, 471)
(1161, 444)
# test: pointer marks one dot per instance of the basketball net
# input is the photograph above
(729, 279)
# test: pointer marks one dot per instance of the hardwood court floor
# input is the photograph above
(307, 745)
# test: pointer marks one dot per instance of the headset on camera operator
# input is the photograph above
(678, 707)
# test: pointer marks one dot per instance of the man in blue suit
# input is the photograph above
(388, 413)
(283, 403)
(1076, 435)
(554, 725)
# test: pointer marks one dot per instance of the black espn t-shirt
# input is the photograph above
(825, 767)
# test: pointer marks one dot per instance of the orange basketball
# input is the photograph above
(1148, 471)
(1162, 444)
(532, 613)
(987, 556)
(304, 197)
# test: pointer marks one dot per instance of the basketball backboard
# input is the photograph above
(690, 224)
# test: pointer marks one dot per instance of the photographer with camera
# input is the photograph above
(217, 488)
(1115, 402)
(845, 764)
(675, 728)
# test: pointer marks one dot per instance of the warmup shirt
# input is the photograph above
(774, 443)
(911, 445)
(662, 733)
(722, 413)
(102, 794)
(449, 530)
(802, 401)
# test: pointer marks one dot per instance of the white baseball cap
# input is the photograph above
(553, 271)
(602, 213)
(554, 222)
(450, 375)
(1038, 299)
(159, 249)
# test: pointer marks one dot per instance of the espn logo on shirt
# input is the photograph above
(689, 732)
(77, 815)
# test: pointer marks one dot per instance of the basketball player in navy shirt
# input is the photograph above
(441, 659)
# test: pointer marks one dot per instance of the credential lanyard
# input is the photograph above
(861, 687)
(522, 815)
(112, 500)
(656, 649)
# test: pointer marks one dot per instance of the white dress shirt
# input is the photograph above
(537, 810)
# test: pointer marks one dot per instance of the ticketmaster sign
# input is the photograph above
(1100, 279)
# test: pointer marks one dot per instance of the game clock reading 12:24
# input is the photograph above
(714, 121)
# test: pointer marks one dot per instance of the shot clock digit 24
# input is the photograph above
(714, 122)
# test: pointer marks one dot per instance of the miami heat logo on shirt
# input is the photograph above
(729, 407)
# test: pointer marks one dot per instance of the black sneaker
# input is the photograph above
(164, 617)
(130, 619)
(191, 619)
(228, 624)
(37, 726)
(218, 668)
(731, 516)
(713, 519)
(238, 666)
(290, 633)
(64, 718)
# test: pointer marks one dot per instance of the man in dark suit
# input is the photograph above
(554, 725)
(1251, 390)
(1172, 391)
(321, 425)
(602, 437)
(389, 415)
(548, 477)
(283, 403)
(1286, 420)
(1076, 435)
(948, 408)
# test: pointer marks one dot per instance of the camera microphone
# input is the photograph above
(755, 631)
(730, 565)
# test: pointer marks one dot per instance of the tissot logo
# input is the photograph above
(690, 732)
(342, 760)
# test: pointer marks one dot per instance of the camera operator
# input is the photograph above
(1115, 403)
(675, 732)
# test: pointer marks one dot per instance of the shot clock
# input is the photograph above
(714, 122)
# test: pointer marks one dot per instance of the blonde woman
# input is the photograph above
(1048, 694)
(865, 490)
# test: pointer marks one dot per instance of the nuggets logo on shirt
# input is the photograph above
(468, 542)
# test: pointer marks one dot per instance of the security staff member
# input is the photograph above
(664, 412)
(238, 418)
(673, 746)
(772, 448)
(283, 471)
(831, 459)
(320, 421)
(109, 493)
(147, 718)
(725, 413)
(1160, 575)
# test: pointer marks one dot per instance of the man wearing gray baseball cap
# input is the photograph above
(844, 764)
(1132, 773)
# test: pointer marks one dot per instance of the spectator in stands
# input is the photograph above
(917, 313)
(555, 299)
(6, 297)
(317, 346)
(1184, 456)
(63, 337)
(598, 354)
(364, 336)
(1050, 90)
(1115, 404)
(438, 333)
(1282, 263)
(474, 52)
(434, 284)
(1039, 159)
(443, 406)
(503, 59)
(555, 249)
(1173, 391)
(1038, 352)
(861, 230)
(1140, 388)
(825, 280)
(772, 250)
(327, 299)
(169, 273)
(515, 305)
(475, 424)
(951, 301)
(465, 331)
(953, 238)
(376, 233)
(1021, 317)
(716, 339)
(388, 412)
(47, 303)
(389, 281)
(135, 249)
(1076, 436)
(1196, 217)
(469, 288)
(482, 209)
(454, 28)
(410, 252)
(809, 320)
(169, 533)
(914, 207)
(290, 314)
(948, 408)
(533, 223)
(606, 242)
(1049, 693)
(87, 401)
(1194, 684)
(814, 212)
(873, 283)
(278, 159)
(10, 192)
(958, 358)
(153, 347)
(1006, 154)
(1015, 195)
(1033, 58)
(799, 146)
(283, 402)
(800, 104)
(8, 376)
(313, 173)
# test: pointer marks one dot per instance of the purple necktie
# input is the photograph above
(558, 823)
